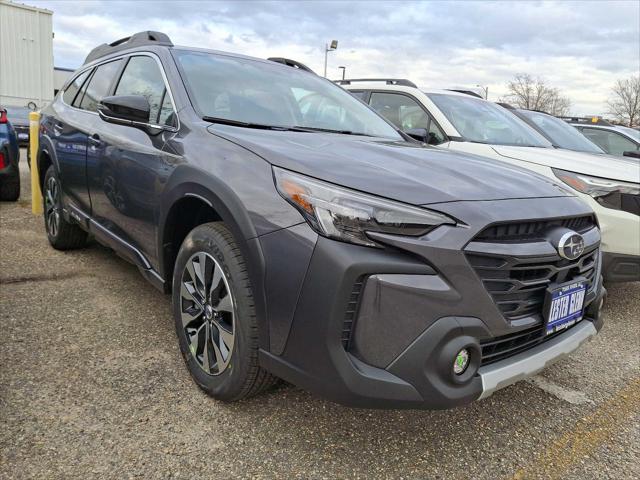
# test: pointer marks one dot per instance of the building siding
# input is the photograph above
(26, 55)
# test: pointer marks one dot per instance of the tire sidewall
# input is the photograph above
(229, 384)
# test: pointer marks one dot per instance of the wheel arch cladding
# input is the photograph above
(193, 198)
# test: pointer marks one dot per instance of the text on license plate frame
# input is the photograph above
(564, 305)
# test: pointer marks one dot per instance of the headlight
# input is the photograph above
(347, 215)
(608, 193)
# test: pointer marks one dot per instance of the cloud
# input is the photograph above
(579, 47)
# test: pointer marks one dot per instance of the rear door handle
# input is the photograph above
(94, 140)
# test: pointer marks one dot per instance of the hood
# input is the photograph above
(393, 169)
(605, 166)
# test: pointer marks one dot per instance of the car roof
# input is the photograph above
(402, 88)
(151, 41)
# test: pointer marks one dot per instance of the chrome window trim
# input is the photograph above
(122, 57)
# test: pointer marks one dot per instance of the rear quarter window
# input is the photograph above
(99, 85)
(74, 87)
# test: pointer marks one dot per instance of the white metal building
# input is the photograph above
(26, 55)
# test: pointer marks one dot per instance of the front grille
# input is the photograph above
(533, 230)
(351, 313)
(499, 348)
(518, 285)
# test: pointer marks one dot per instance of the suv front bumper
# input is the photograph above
(407, 310)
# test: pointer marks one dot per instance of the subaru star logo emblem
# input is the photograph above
(571, 245)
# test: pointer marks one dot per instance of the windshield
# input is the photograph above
(485, 122)
(561, 134)
(630, 131)
(255, 92)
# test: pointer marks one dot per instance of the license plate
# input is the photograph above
(23, 136)
(564, 305)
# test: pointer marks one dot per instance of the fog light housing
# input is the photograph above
(461, 362)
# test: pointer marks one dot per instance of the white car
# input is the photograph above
(458, 121)
(613, 139)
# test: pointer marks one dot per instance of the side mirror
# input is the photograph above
(632, 153)
(419, 134)
(124, 109)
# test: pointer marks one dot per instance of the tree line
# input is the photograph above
(531, 93)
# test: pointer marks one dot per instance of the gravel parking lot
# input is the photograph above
(92, 385)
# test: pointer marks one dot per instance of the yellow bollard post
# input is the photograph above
(36, 194)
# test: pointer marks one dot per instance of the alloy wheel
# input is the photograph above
(52, 206)
(208, 313)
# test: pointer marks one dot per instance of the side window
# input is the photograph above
(611, 142)
(99, 84)
(72, 90)
(405, 113)
(599, 137)
(142, 76)
(436, 136)
(620, 144)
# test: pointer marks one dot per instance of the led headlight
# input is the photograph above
(607, 192)
(347, 215)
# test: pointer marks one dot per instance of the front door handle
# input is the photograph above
(57, 128)
(94, 140)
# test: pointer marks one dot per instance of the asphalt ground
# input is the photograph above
(92, 385)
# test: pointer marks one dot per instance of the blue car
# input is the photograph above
(9, 158)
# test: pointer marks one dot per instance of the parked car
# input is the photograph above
(9, 159)
(465, 123)
(302, 236)
(613, 139)
(19, 117)
(558, 132)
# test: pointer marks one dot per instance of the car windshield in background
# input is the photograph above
(259, 93)
(485, 122)
(630, 131)
(562, 134)
(18, 115)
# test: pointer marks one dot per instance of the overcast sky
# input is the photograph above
(579, 47)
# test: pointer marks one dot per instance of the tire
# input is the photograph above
(10, 186)
(62, 235)
(222, 313)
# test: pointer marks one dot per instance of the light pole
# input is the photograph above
(329, 47)
(344, 69)
(486, 91)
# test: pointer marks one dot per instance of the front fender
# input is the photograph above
(188, 181)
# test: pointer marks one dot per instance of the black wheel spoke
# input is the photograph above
(225, 304)
(188, 292)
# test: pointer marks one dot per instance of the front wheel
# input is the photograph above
(215, 316)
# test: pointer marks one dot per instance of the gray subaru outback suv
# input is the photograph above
(302, 236)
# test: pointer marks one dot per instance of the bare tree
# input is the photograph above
(624, 103)
(534, 94)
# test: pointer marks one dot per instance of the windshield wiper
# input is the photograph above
(294, 128)
(238, 123)
(327, 130)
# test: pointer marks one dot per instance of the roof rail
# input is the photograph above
(594, 120)
(389, 81)
(291, 63)
(136, 40)
(466, 92)
(508, 106)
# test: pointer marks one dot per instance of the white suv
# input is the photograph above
(458, 121)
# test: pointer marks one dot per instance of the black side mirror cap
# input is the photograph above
(632, 153)
(419, 134)
(125, 109)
